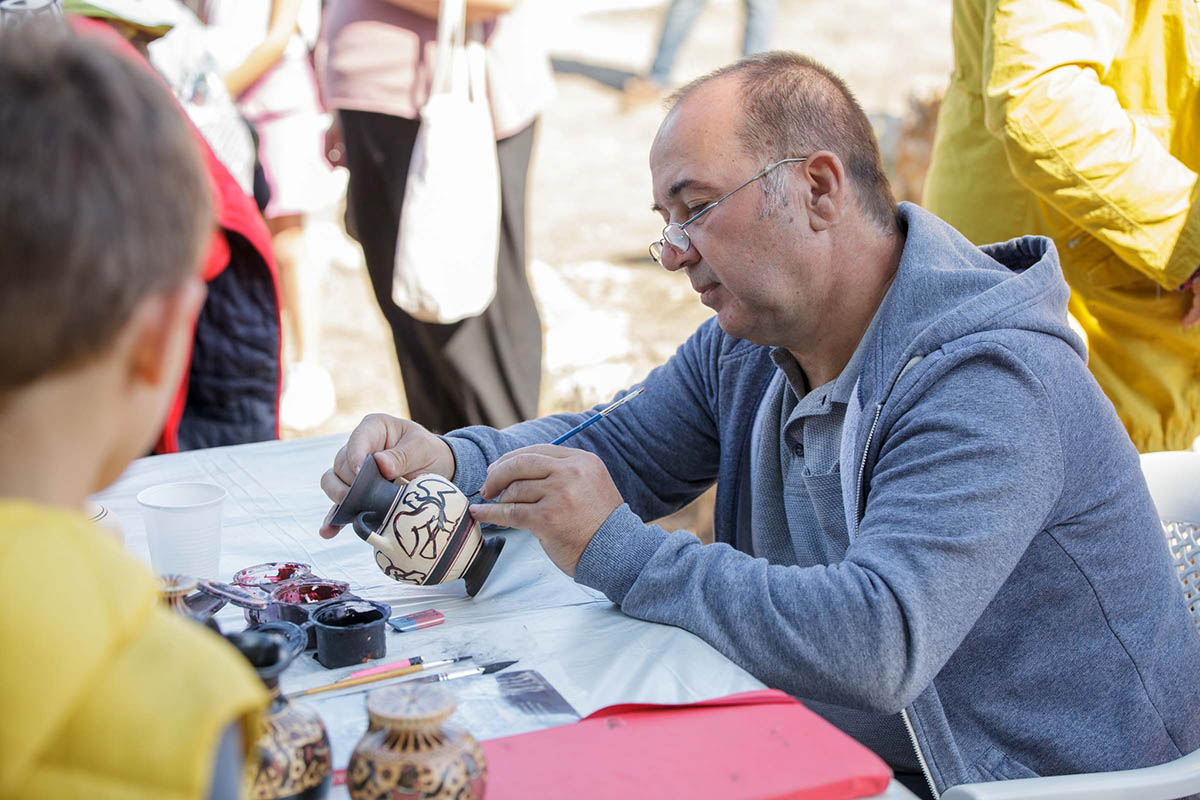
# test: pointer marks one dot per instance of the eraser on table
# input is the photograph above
(417, 620)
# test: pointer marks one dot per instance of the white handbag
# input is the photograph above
(445, 268)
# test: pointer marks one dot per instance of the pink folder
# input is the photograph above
(761, 744)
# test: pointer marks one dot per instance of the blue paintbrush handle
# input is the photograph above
(604, 412)
(578, 428)
(601, 414)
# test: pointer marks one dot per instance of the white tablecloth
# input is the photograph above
(593, 654)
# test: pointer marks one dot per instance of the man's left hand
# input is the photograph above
(562, 495)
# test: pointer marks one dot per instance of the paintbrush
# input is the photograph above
(407, 662)
(604, 412)
(592, 420)
(486, 669)
(345, 683)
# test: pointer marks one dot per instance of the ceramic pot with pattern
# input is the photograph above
(178, 593)
(421, 530)
(409, 752)
(290, 759)
(103, 518)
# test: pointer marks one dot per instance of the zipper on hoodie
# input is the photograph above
(862, 468)
(912, 737)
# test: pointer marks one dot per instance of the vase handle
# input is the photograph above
(362, 525)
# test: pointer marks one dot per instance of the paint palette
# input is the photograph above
(285, 591)
(267, 576)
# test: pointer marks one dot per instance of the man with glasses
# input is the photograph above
(930, 524)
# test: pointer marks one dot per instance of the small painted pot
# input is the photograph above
(178, 593)
(291, 757)
(104, 518)
(422, 530)
(409, 751)
(350, 631)
(173, 590)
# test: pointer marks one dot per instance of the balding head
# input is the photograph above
(789, 105)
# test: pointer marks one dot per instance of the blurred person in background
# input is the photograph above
(677, 23)
(183, 58)
(1077, 121)
(262, 48)
(230, 394)
(377, 63)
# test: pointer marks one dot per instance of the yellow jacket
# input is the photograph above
(1080, 120)
(104, 693)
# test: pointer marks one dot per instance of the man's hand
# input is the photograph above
(1193, 314)
(561, 494)
(402, 449)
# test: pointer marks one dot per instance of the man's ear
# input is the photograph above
(161, 330)
(827, 188)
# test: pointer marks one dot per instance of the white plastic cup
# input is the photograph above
(183, 527)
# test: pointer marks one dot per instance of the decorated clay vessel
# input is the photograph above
(421, 530)
(179, 593)
(291, 756)
(173, 591)
(410, 753)
(102, 517)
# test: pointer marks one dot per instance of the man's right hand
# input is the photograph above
(401, 448)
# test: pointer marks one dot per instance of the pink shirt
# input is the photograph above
(377, 57)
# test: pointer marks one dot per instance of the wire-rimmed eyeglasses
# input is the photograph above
(675, 233)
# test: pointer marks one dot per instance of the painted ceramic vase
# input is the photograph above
(409, 752)
(173, 591)
(291, 756)
(178, 593)
(421, 530)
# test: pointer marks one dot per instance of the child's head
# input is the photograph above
(105, 215)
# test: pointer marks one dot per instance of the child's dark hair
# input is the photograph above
(103, 197)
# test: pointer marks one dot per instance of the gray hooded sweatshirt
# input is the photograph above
(1006, 584)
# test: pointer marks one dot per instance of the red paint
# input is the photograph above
(265, 576)
(309, 591)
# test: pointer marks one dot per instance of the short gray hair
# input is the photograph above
(794, 106)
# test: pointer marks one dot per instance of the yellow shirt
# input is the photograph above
(104, 693)
(1080, 120)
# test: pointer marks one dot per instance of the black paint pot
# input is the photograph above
(350, 631)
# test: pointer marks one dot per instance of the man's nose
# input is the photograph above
(674, 259)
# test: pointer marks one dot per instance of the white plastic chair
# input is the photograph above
(1174, 481)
